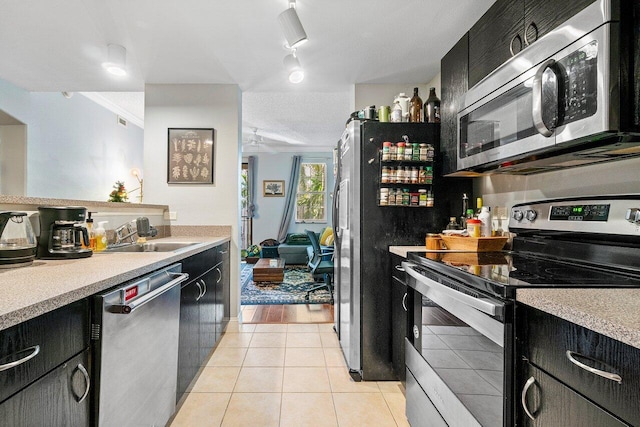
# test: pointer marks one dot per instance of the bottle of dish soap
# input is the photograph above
(91, 233)
(101, 237)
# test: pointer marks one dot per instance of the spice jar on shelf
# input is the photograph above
(414, 175)
(384, 176)
(399, 151)
(415, 156)
(386, 151)
(408, 151)
(422, 197)
(422, 155)
(428, 175)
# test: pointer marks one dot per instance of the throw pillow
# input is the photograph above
(328, 231)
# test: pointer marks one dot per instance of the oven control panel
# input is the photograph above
(599, 212)
(615, 215)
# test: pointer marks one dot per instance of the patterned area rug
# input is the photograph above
(297, 281)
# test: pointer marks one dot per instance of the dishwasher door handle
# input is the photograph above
(148, 297)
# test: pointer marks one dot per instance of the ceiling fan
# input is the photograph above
(256, 142)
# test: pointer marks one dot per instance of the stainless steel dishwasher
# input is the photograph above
(135, 347)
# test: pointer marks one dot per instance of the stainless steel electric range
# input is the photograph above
(460, 351)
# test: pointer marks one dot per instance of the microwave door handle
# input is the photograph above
(536, 91)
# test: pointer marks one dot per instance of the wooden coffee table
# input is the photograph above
(263, 271)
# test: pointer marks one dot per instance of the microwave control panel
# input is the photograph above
(579, 73)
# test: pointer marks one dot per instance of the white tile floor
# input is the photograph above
(286, 375)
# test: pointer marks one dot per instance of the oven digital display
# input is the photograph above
(580, 213)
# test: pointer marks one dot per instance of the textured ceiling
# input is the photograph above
(58, 45)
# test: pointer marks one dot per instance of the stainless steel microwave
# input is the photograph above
(567, 100)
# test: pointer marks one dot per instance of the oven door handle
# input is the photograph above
(480, 304)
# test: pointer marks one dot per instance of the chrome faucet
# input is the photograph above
(127, 231)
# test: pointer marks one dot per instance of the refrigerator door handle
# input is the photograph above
(336, 195)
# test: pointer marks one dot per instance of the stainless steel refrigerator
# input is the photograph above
(364, 231)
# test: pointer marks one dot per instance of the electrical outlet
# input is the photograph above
(171, 215)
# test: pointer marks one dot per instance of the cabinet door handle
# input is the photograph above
(34, 352)
(604, 374)
(514, 38)
(87, 380)
(531, 381)
(219, 275)
(404, 300)
(200, 294)
(535, 28)
(399, 268)
(204, 286)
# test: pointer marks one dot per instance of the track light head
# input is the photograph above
(293, 67)
(116, 60)
(292, 27)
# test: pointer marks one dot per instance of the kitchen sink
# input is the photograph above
(152, 247)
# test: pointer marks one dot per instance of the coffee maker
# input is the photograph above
(63, 233)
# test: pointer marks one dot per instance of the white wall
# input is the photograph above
(197, 106)
(619, 177)
(75, 147)
(268, 213)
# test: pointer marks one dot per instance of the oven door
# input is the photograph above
(456, 352)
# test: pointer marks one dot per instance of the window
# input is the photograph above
(311, 194)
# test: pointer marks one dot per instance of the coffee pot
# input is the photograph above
(63, 233)
(17, 240)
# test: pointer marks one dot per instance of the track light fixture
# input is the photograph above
(292, 27)
(116, 60)
(293, 67)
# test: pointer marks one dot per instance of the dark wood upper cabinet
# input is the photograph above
(509, 26)
(542, 16)
(454, 83)
(493, 37)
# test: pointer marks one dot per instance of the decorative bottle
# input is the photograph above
(432, 107)
(415, 107)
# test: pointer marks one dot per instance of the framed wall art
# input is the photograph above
(273, 188)
(190, 156)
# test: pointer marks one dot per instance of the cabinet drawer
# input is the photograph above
(58, 335)
(59, 399)
(547, 339)
(198, 264)
(551, 403)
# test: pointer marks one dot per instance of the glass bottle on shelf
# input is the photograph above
(432, 107)
(465, 207)
(415, 107)
(453, 225)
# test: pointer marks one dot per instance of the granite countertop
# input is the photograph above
(611, 312)
(27, 292)
(404, 250)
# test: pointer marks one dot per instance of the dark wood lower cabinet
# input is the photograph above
(551, 403)
(398, 318)
(598, 370)
(204, 312)
(58, 399)
(189, 341)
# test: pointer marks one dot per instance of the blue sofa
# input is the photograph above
(294, 249)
